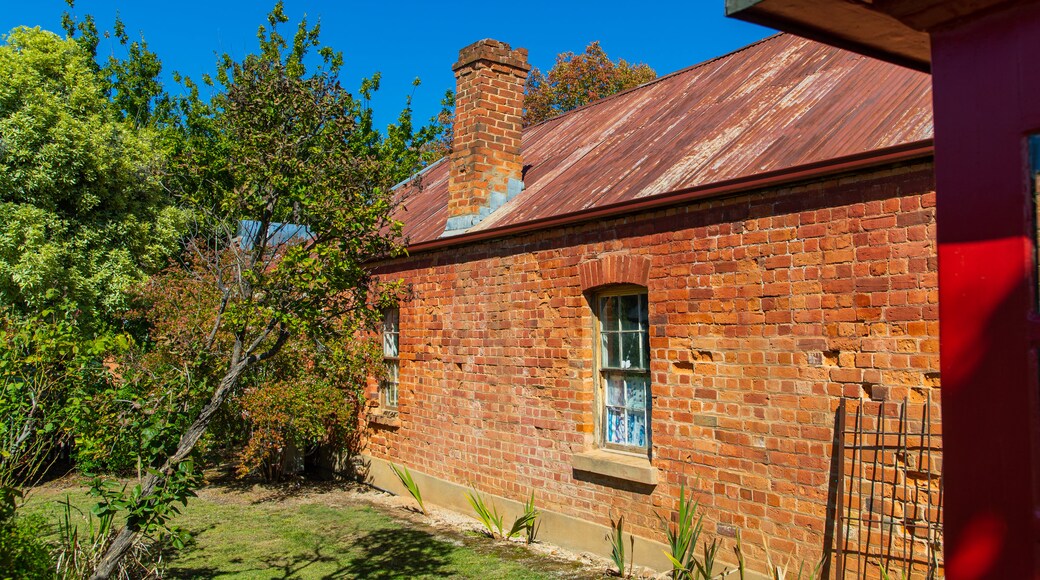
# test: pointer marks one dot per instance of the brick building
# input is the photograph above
(695, 282)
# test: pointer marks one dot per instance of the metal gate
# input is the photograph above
(890, 490)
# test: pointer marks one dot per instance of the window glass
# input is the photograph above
(624, 369)
(391, 351)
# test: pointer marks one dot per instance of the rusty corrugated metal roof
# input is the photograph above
(780, 103)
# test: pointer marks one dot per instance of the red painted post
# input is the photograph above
(987, 102)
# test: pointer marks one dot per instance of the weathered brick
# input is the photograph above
(497, 347)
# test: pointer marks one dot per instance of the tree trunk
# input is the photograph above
(127, 535)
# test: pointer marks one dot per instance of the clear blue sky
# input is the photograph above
(404, 40)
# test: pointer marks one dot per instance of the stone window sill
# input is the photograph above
(616, 465)
(384, 418)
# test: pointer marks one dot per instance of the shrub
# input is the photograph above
(308, 397)
(23, 554)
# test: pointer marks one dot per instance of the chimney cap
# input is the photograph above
(492, 51)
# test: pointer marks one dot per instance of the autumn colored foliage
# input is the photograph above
(310, 396)
(579, 79)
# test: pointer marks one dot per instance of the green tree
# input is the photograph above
(292, 189)
(130, 83)
(85, 217)
(579, 79)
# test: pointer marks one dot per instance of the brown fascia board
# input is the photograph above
(849, 25)
(851, 163)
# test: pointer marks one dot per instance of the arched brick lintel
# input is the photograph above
(614, 269)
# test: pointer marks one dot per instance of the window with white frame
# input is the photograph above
(391, 352)
(624, 368)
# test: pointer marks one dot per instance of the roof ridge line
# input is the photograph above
(660, 79)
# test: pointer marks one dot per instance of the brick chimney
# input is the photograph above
(485, 161)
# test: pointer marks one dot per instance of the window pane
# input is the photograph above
(631, 350)
(615, 390)
(611, 356)
(630, 312)
(390, 320)
(615, 426)
(635, 398)
(608, 315)
(637, 429)
(388, 388)
(390, 345)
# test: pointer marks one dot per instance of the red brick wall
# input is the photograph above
(489, 98)
(765, 309)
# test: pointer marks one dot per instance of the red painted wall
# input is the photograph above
(987, 100)
(766, 309)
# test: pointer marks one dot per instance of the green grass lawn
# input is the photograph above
(323, 534)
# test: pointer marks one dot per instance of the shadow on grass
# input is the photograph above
(398, 553)
(262, 492)
(296, 566)
(386, 553)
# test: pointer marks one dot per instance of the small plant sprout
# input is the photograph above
(886, 575)
(531, 513)
(704, 569)
(617, 546)
(525, 522)
(405, 477)
(739, 552)
(777, 572)
(490, 517)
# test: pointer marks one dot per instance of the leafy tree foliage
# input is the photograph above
(85, 217)
(308, 397)
(292, 191)
(579, 79)
(441, 131)
(131, 83)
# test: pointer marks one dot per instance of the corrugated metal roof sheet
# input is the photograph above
(780, 103)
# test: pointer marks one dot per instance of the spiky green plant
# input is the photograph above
(488, 516)
(531, 514)
(405, 477)
(617, 546)
(522, 522)
(683, 535)
(738, 550)
(704, 569)
(525, 522)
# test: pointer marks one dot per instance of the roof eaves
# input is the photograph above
(879, 157)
